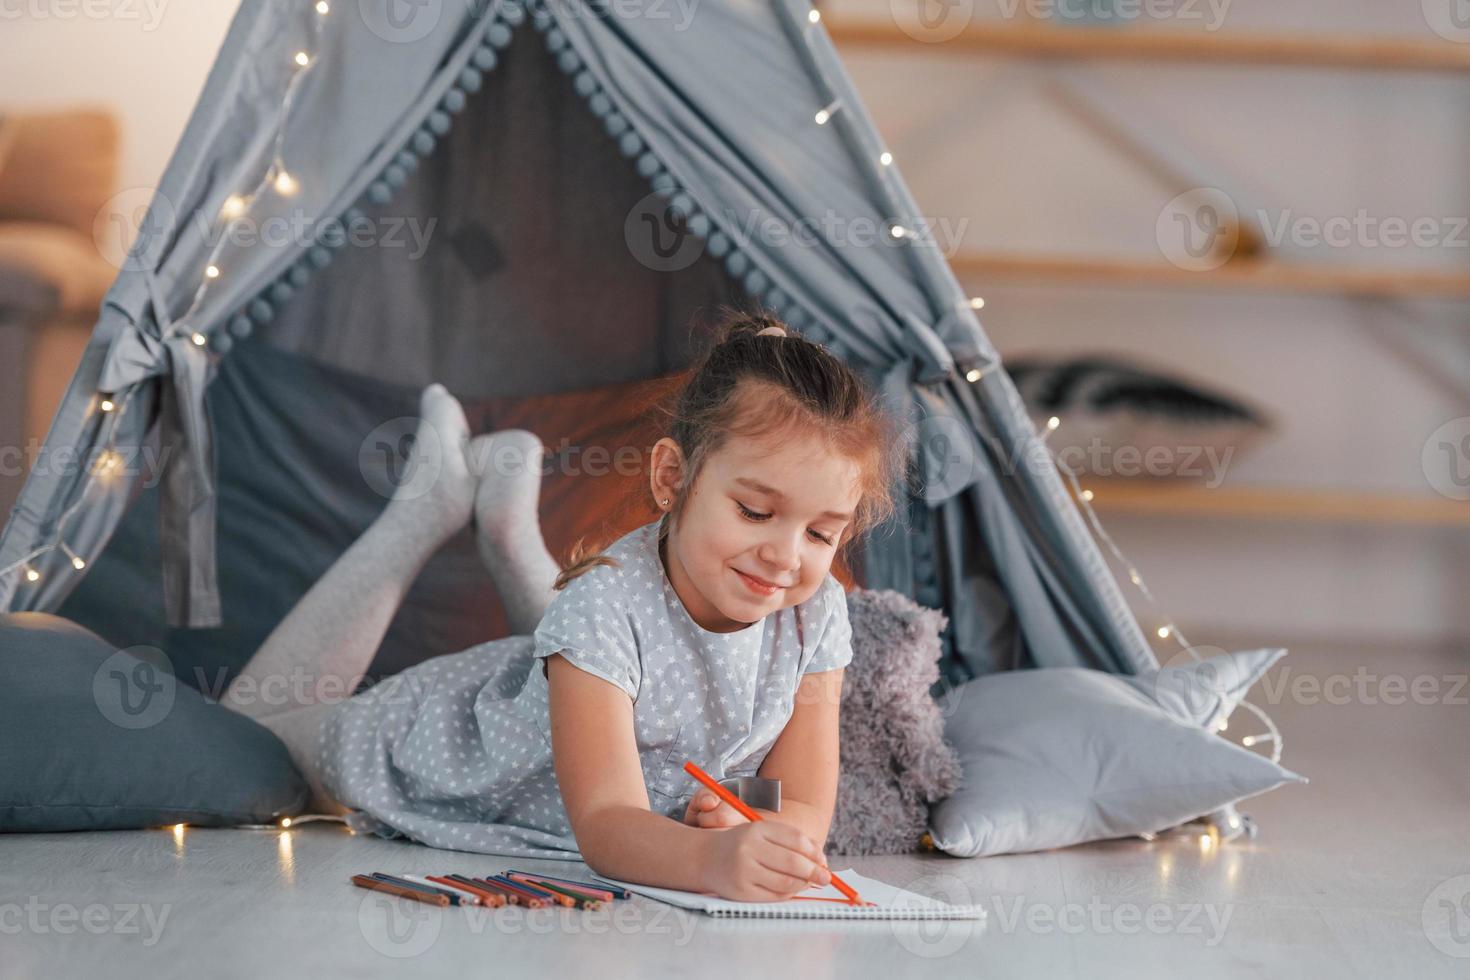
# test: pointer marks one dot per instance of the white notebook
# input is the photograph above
(889, 902)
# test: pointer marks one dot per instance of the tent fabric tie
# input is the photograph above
(188, 503)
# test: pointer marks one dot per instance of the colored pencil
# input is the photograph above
(749, 814)
(477, 896)
(523, 896)
(540, 892)
(510, 897)
(417, 886)
(377, 885)
(602, 891)
(492, 899)
(552, 894)
(573, 898)
(541, 896)
(465, 898)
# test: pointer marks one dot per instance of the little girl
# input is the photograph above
(715, 634)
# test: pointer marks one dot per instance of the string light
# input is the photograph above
(1087, 495)
(199, 339)
(211, 272)
(886, 158)
(322, 8)
(107, 404)
(303, 59)
(1250, 740)
(973, 375)
(1053, 423)
(898, 231)
(76, 560)
(1164, 632)
(32, 575)
(977, 302)
(825, 113)
(233, 207)
(813, 16)
(285, 184)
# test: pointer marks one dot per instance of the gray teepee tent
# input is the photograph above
(517, 201)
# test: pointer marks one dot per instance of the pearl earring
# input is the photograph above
(664, 502)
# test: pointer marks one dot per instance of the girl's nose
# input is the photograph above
(779, 553)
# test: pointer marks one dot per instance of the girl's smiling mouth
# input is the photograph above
(758, 585)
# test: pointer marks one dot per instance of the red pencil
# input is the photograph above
(749, 814)
(378, 885)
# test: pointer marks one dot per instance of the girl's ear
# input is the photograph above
(665, 472)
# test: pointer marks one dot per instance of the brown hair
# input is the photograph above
(752, 384)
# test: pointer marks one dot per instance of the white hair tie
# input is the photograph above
(776, 331)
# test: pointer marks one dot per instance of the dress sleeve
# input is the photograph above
(831, 643)
(589, 623)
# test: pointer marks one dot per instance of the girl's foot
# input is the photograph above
(438, 495)
(508, 525)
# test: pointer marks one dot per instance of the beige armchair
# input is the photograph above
(57, 172)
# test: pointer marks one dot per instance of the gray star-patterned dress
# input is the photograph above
(456, 752)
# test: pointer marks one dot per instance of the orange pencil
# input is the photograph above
(486, 898)
(363, 881)
(749, 814)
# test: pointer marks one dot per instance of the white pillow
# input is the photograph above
(1060, 756)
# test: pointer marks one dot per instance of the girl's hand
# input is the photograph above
(709, 811)
(768, 861)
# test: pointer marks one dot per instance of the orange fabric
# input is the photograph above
(59, 167)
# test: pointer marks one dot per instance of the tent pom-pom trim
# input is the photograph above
(648, 165)
(437, 123)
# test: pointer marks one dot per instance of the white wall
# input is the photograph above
(145, 59)
(980, 144)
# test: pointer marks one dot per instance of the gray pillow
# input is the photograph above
(1060, 756)
(100, 739)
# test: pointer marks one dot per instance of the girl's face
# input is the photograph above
(760, 527)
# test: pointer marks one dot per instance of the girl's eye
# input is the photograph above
(751, 515)
(820, 537)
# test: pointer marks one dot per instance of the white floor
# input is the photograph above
(1364, 872)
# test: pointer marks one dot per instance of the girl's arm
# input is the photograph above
(804, 757)
(601, 781)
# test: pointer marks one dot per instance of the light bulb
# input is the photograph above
(1087, 495)
(303, 59)
(107, 405)
(822, 116)
(1163, 632)
(1134, 577)
(32, 575)
(1052, 423)
(285, 821)
(212, 272)
(199, 339)
(1248, 741)
(233, 207)
(322, 8)
(812, 16)
(886, 158)
(977, 302)
(77, 562)
(972, 375)
(1224, 724)
(286, 184)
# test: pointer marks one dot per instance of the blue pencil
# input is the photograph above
(573, 882)
(454, 897)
